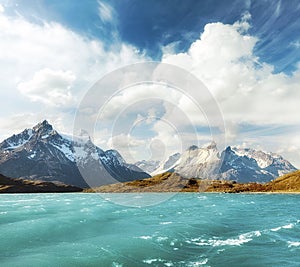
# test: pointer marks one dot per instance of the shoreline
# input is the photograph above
(158, 192)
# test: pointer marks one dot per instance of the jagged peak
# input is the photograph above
(43, 126)
(229, 149)
(193, 147)
(212, 145)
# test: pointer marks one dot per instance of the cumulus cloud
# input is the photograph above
(246, 89)
(50, 87)
(51, 65)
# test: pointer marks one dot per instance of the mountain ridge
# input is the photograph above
(233, 163)
(41, 153)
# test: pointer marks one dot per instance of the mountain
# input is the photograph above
(166, 165)
(41, 153)
(9, 185)
(147, 165)
(249, 165)
(238, 164)
(197, 162)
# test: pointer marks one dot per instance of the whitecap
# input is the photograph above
(197, 263)
(116, 264)
(202, 197)
(163, 223)
(276, 229)
(150, 261)
(243, 238)
(161, 238)
(228, 242)
(293, 244)
(288, 226)
(145, 237)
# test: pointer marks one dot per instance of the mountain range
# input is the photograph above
(41, 153)
(233, 163)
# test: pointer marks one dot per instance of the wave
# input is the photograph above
(241, 239)
(293, 244)
(287, 226)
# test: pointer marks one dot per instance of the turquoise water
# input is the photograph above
(186, 230)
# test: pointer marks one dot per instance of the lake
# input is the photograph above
(184, 229)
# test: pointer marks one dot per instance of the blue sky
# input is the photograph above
(53, 51)
(148, 25)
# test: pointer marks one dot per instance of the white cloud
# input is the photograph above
(51, 65)
(50, 87)
(296, 44)
(245, 88)
(106, 12)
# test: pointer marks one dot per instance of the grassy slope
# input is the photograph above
(169, 182)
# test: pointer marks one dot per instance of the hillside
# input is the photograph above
(10, 185)
(172, 182)
(287, 183)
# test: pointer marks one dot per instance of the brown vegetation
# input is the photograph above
(172, 182)
(9, 185)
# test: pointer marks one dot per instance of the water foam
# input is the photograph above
(293, 244)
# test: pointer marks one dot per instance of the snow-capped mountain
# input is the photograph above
(243, 165)
(41, 153)
(246, 165)
(199, 162)
(166, 165)
(148, 165)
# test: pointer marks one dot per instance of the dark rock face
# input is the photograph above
(42, 153)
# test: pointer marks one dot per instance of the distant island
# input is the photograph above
(172, 182)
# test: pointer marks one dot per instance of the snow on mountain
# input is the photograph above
(18, 140)
(148, 165)
(41, 153)
(263, 159)
(199, 162)
(167, 165)
(243, 165)
(247, 164)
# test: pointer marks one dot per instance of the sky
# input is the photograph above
(246, 53)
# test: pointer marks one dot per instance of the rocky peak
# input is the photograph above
(193, 147)
(43, 128)
(212, 145)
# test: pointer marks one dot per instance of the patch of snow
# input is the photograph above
(21, 141)
(32, 155)
(66, 150)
